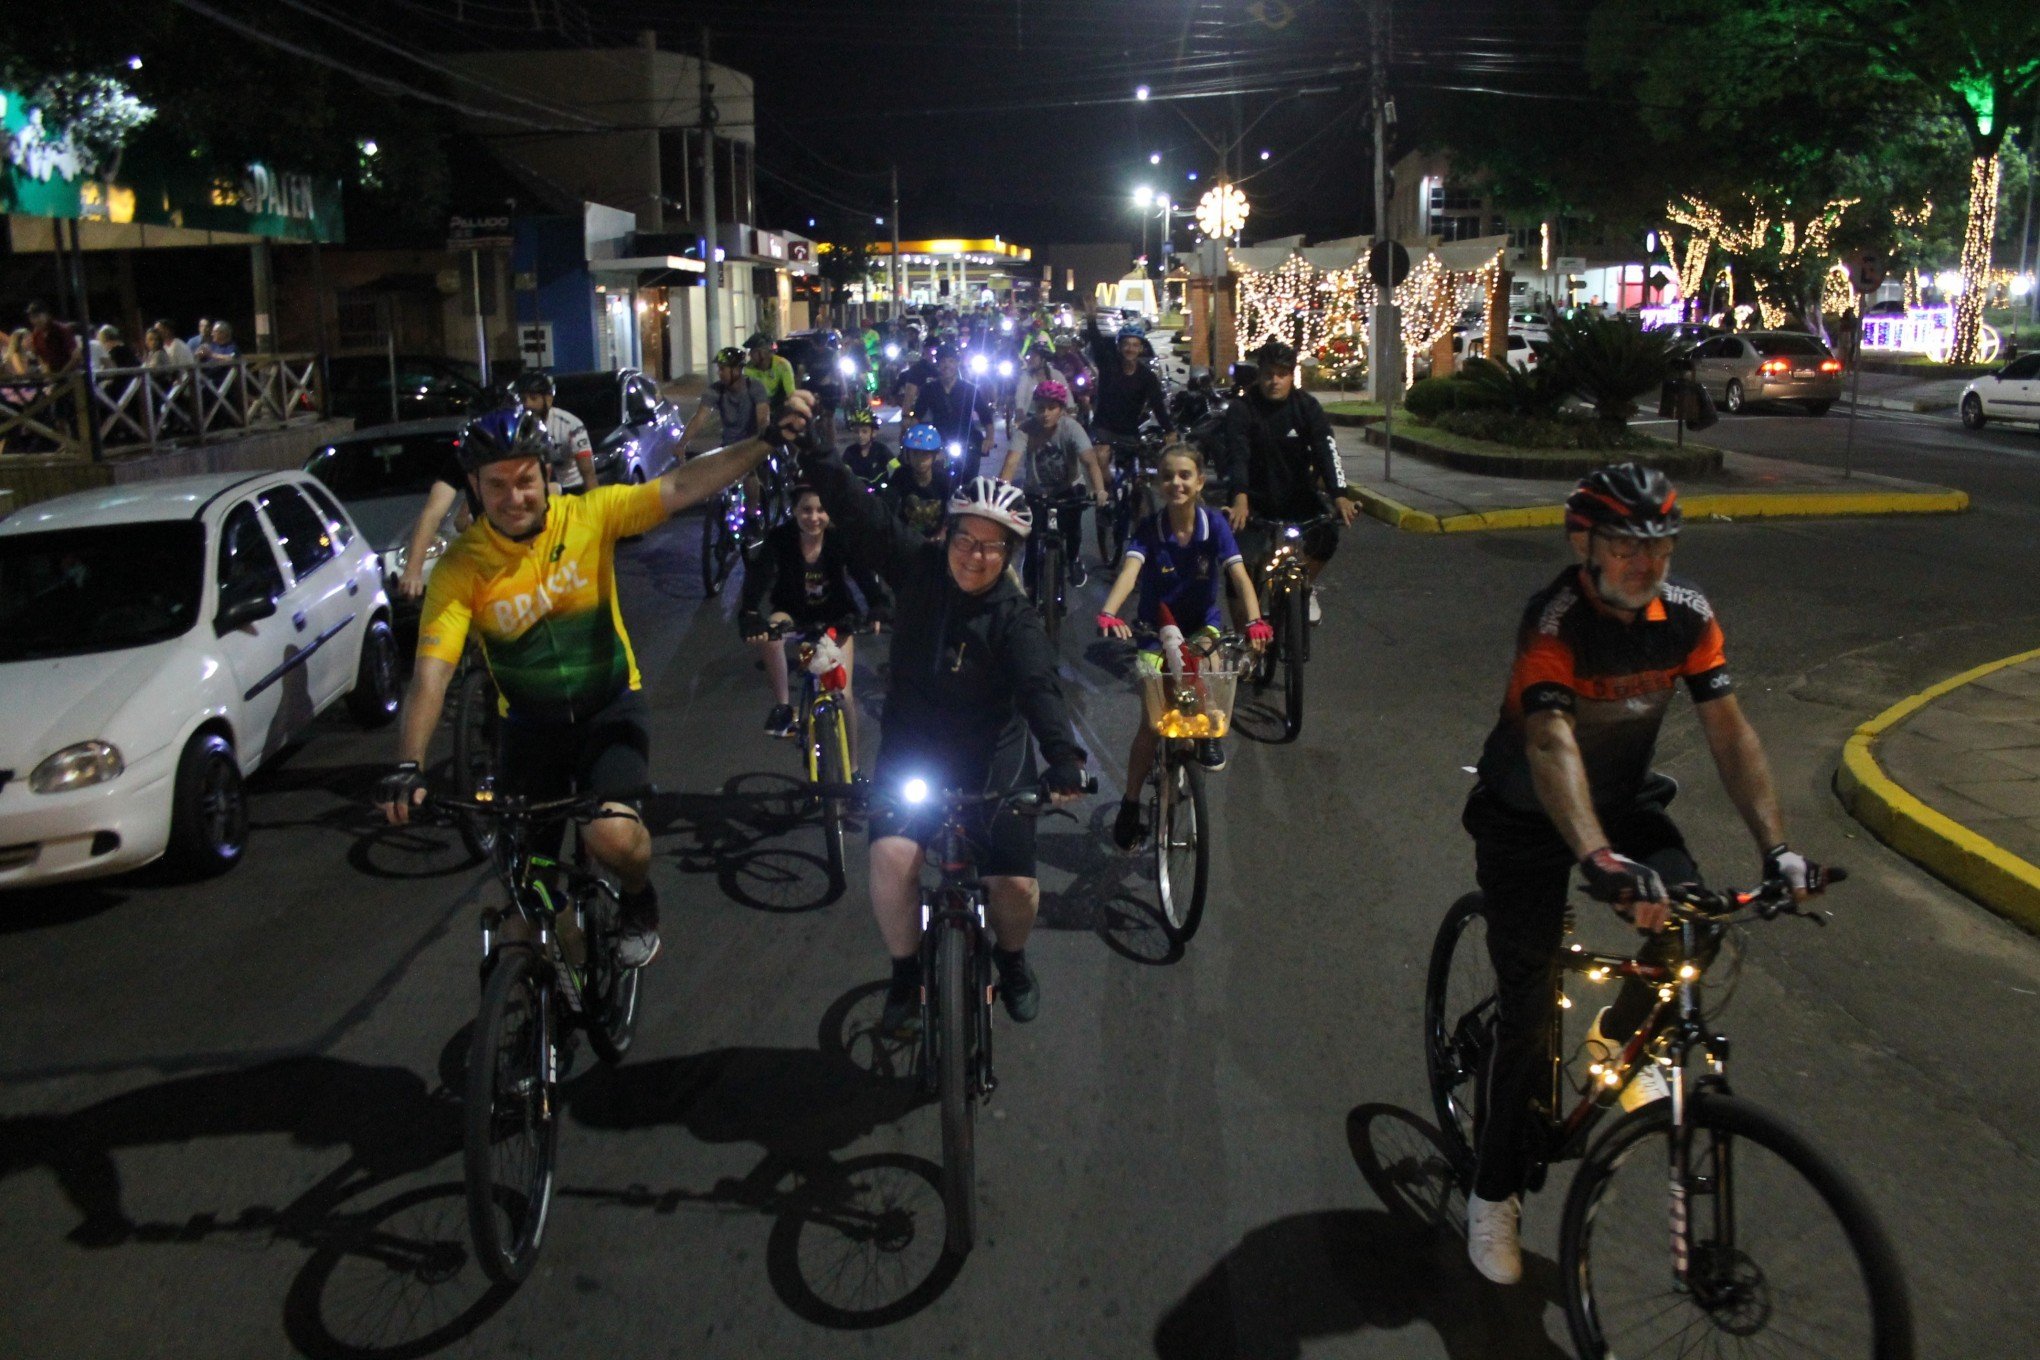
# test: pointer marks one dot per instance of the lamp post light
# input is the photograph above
(1143, 199)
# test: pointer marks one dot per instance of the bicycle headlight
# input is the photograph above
(77, 767)
(978, 364)
(846, 366)
(1292, 532)
(1005, 368)
(915, 791)
(892, 351)
(955, 449)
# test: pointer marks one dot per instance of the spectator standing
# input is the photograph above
(56, 350)
(200, 338)
(166, 350)
(221, 346)
(109, 350)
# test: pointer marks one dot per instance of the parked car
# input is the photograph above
(636, 432)
(1681, 335)
(2011, 393)
(383, 475)
(359, 386)
(158, 642)
(1768, 366)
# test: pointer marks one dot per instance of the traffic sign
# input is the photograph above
(1389, 263)
(1869, 269)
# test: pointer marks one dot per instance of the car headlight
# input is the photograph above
(77, 767)
(847, 366)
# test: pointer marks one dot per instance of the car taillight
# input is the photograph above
(1775, 366)
(1831, 365)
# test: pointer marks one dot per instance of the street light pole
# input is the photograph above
(712, 268)
(899, 295)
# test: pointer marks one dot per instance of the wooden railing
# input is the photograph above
(136, 410)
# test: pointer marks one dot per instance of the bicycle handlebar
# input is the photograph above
(509, 807)
(1769, 900)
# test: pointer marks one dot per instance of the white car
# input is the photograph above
(158, 642)
(2011, 393)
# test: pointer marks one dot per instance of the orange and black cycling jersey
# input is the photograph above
(1615, 678)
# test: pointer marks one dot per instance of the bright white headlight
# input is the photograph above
(915, 791)
(846, 366)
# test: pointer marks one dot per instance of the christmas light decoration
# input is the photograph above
(1308, 308)
(1222, 211)
(1837, 290)
(1984, 174)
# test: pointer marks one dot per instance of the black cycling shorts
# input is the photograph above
(1003, 843)
(608, 755)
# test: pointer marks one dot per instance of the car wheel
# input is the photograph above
(1732, 399)
(1819, 408)
(373, 700)
(209, 814)
(1972, 411)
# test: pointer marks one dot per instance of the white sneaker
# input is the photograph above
(1493, 1240)
(1646, 1084)
(1317, 615)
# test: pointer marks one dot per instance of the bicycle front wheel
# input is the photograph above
(611, 993)
(1182, 849)
(512, 1121)
(1460, 1008)
(956, 1001)
(829, 763)
(1785, 1257)
(474, 752)
(718, 545)
(1048, 597)
(1294, 643)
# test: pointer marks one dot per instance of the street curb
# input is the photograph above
(1724, 506)
(1942, 846)
(1694, 459)
(1913, 405)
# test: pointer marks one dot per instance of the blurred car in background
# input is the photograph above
(383, 475)
(636, 433)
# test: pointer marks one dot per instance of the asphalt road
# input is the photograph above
(225, 1128)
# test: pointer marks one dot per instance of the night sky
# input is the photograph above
(1018, 117)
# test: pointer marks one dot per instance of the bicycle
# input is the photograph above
(1184, 707)
(955, 1054)
(1047, 572)
(533, 994)
(734, 522)
(1130, 496)
(477, 727)
(1732, 1165)
(824, 730)
(1283, 582)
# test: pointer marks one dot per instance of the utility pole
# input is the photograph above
(899, 295)
(711, 266)
(1384, 361)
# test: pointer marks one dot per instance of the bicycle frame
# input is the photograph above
(958, 902)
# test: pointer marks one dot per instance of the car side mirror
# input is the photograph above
(242, 603)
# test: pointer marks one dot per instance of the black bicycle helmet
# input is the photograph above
(534, 384)
(1626, 498)
(501, 436)
(729, 356)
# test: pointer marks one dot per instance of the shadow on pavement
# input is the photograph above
(1347, 1270)
(1108, 892)
(855, 1243)
(390, 1281)
(740, 836)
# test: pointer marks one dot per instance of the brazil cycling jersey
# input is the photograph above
(1615, 678)
(545, 609)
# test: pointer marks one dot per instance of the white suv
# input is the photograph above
(158, 641)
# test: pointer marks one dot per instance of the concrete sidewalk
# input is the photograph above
(1951, 778)
(1891, 392)
(1422, 497)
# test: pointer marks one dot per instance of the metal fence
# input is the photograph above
(135, 410)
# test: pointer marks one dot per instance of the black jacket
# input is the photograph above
(1123, 400)
(1281, 454)
(971, 674)
(777, 579)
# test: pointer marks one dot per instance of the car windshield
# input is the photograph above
(367, 469)
(595, 398)
(1789, 344)
(73, 592)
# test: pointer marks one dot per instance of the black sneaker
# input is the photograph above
(637, 928)
(1078, 576)
(902, 1015)
(1127, 827)
(1211, 754)
(1018, 986)
(779, 722)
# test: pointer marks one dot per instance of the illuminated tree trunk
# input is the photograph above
(1976, 240)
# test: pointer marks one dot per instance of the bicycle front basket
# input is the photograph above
(1191, 706)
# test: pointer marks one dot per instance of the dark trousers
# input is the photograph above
(1524, 869)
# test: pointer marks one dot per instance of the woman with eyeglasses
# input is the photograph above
(973, 677)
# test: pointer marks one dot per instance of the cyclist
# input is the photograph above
(1283, 463)
(870, 457)
(1034, 371)
(1176, 558)
(771, 369)
(918, 374)
(535, 578)
(917, 494)
(801, 574)
(972, 676)
(958, 408)
(1565, 781)
(1127, 389)
(1055, 453)
(736, 398)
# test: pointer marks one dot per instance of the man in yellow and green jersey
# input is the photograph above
(769, 368)
(534, 580)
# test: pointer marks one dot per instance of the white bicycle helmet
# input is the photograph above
(994, 500)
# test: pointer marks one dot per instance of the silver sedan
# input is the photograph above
(1768, 366)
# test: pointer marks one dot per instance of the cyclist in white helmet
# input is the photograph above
(973, 676)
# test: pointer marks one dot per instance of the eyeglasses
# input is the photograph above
(1623, 548)
(983, 549)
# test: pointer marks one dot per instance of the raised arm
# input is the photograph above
(697, 479)
(873, 540)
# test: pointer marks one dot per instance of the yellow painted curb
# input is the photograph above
(1728, 505)
(1985, 870)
